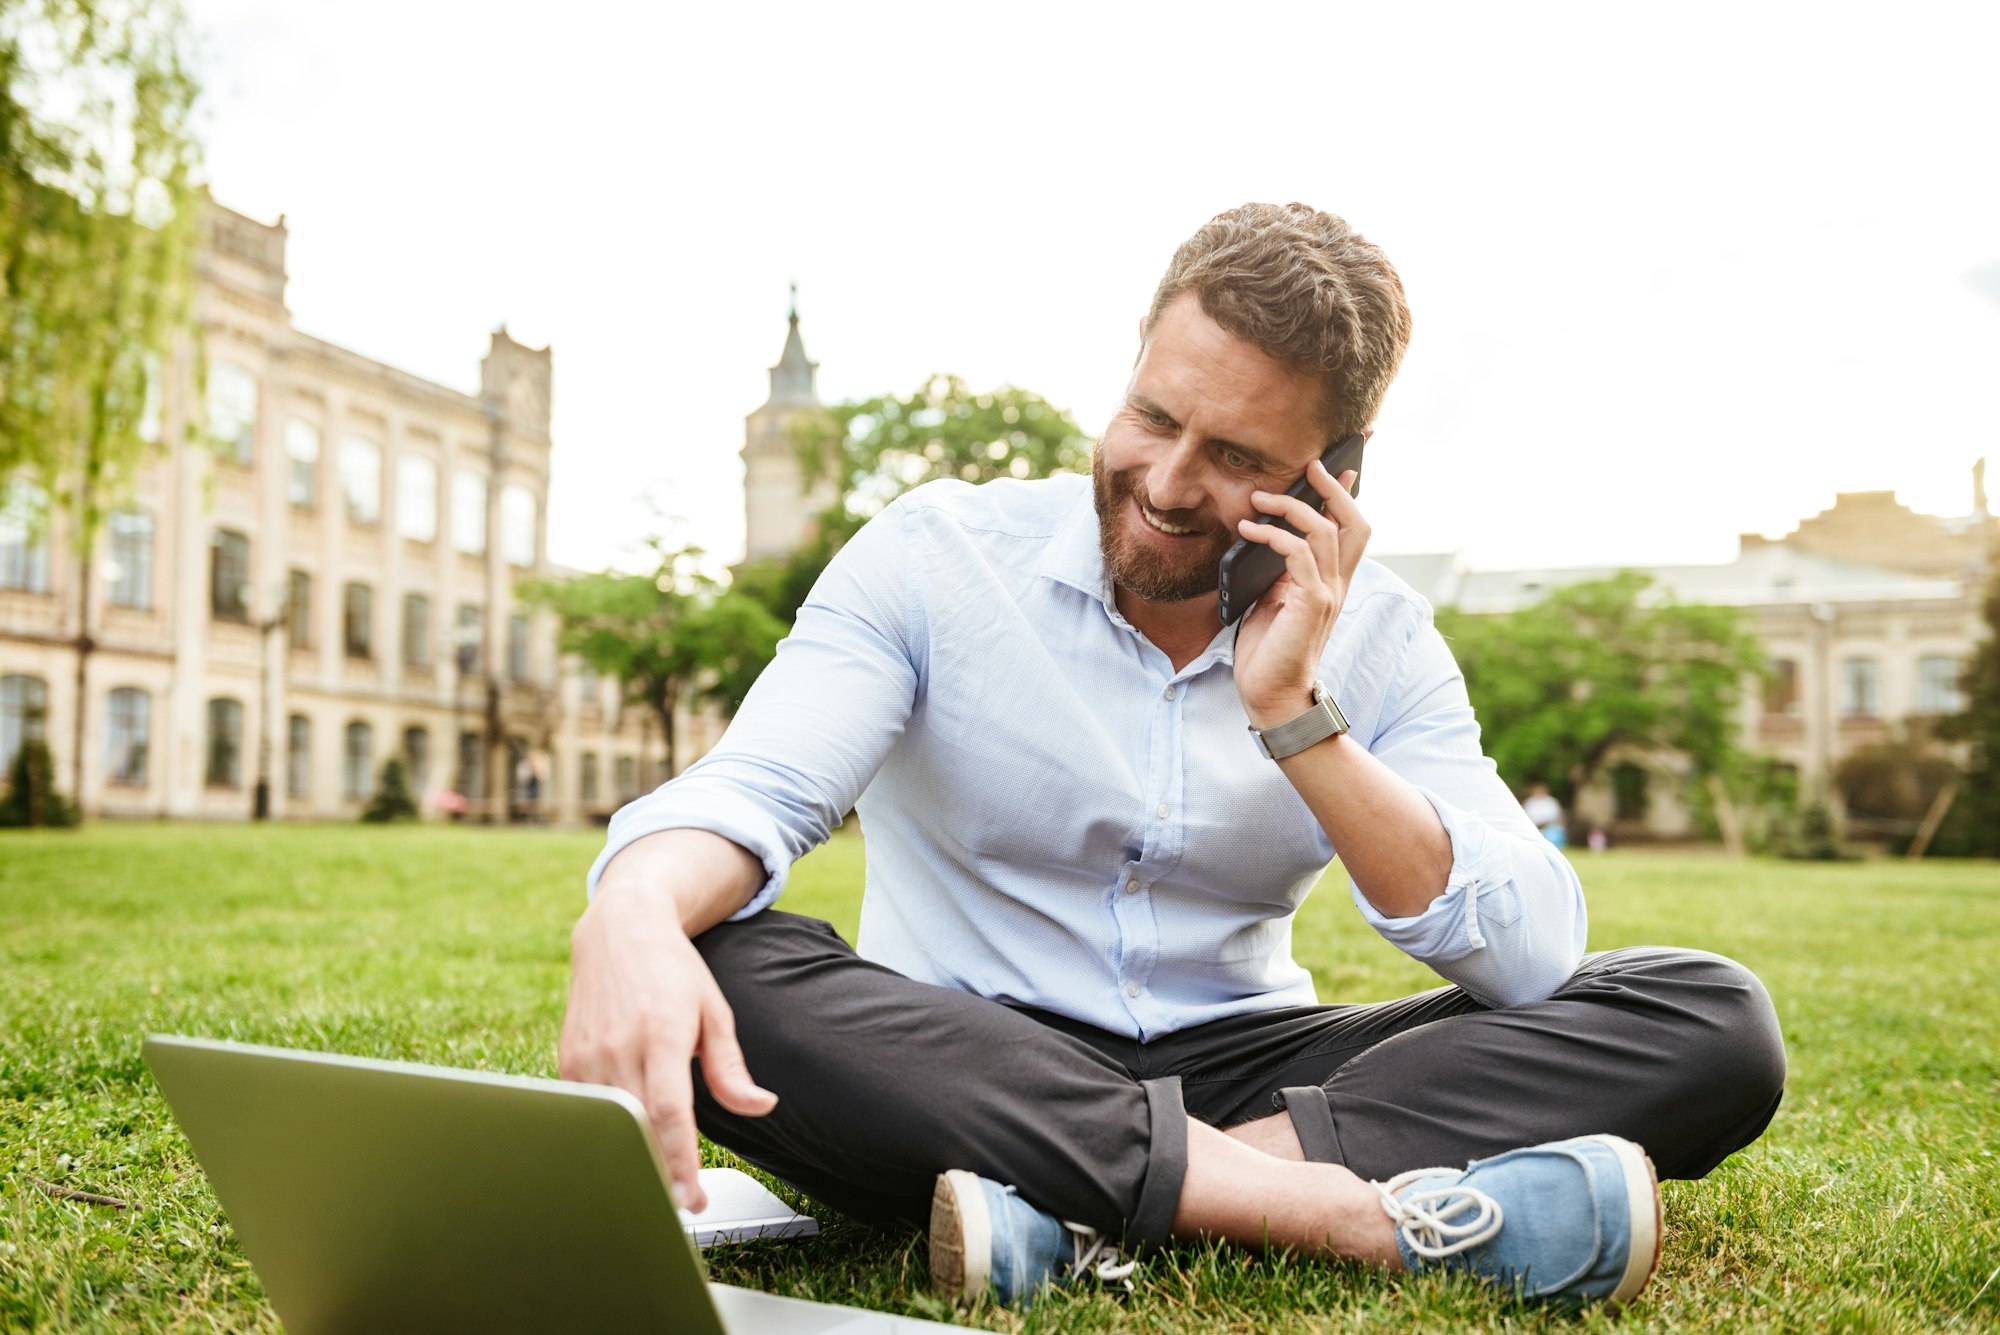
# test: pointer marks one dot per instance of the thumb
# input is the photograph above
(723, 1068)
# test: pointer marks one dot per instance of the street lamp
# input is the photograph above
(465, 639)
(260, 808)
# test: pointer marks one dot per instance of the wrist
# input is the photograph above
(1268, 711)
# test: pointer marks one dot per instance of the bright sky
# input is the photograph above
(1678, 270)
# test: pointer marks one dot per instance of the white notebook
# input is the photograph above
(740, 1208)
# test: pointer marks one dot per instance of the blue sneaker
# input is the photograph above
(1568, 1223)
(986, 1239)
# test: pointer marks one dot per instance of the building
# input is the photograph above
(317, 577)
(779, 508)
(1868, 613)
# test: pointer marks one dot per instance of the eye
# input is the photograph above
(1156, 419)
(1240, 462)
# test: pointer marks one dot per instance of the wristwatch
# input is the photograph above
(1294, 735)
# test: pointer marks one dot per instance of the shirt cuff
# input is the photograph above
(668, 810)
(1480, 884)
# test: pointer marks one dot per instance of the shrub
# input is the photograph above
(31, 797)
(392, 796)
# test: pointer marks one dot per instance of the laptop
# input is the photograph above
(384, 1196)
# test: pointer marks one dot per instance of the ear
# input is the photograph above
(1369, 434)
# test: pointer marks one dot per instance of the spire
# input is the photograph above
(792, 378)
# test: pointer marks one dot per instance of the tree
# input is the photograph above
(1972, 827)
(880, 448)
(1598, 664)
(98, 217)
(672, 637)
(31, 797)
(392, 800)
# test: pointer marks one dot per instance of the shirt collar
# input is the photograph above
(1076, 558)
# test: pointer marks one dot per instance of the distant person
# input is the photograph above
(1546, 812)
(1597, 840)
(1092, 812)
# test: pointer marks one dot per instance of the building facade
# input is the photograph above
(314, 573)
(779, 507)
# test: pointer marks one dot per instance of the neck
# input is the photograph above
(1180, 630)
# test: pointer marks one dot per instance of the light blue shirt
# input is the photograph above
(1057, 818)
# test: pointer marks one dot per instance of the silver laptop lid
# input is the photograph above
(385, 1196)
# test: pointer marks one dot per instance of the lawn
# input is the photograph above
(1872, 1204)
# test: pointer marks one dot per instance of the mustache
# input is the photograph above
(1189, 519)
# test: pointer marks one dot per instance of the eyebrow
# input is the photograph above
(1251, 452)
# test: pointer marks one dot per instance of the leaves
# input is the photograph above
(1559, 684)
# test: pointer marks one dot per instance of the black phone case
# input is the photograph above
(1249, 568)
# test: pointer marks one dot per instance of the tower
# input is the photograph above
(778, 507)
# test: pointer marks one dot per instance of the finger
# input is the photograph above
(1345, 512)
(1301, 515)
(723, 1068)
(670, 1109)
(1300, 564)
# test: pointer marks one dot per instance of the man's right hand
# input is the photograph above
(643, 1005)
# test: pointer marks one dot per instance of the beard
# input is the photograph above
(1145, 572)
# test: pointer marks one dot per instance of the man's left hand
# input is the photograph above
(1281, 639)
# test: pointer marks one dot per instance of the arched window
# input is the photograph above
(24, 536)
(298, 756)
(128, 736)
(129, 540)
(225, 743)
(587, 778)
(361, 480)
(24, 716)
(417, 758)
(232, 411)
(517, 525)
(357, 777)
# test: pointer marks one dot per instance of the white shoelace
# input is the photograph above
(1433, 1222)
(1113, 1268)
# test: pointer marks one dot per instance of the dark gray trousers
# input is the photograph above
(884, 1082)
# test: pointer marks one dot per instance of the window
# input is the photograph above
(128, 731)
(1937, 685)
(1781, 689)
(626, 772)
(361, 480)
(468, 513)
(302, 450)
(1629, 798)
(299, 609)
(232, 412)
(357, 620)
(24, 715)
(129, 538)
(517, 525)
(469, 641)
(587, 778)
(298, 756)
(417, 498)
(24, 537)
(357, 762)
(416, 630)
(517, 648)
(472, 764)
(586, 684)
(229, 576)
(1860, 688)
(225, 743)
(417, 758)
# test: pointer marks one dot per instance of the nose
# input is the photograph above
(1174, 480)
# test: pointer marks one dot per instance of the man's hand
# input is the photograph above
(1279, 644)
(643, 1005)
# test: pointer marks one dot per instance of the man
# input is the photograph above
(1091, 811)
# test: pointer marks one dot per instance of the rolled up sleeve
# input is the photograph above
(1511, 926)
(813, 729)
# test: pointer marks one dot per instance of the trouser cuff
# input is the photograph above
(1312, 1121)
(1166, 1164)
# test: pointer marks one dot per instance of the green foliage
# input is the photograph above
(669, 637)
(31, 797)
(1558, 685)
(1811, 835)
(1887, 787)
(98, 221)
(392, 800)
(1973, 825)
(1870, 1205)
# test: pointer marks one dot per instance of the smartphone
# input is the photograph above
(1249, 568)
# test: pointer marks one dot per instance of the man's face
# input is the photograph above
(1207, 419)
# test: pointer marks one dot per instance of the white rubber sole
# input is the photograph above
(961, 1237)
(1642, 1193)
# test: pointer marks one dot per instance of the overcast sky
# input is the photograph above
(1678, 271)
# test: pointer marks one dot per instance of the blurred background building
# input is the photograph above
(318, 577)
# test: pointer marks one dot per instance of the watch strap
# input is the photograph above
(1294, 735)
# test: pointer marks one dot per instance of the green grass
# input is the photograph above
(1873, 1203)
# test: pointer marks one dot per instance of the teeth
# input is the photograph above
(1162, 525)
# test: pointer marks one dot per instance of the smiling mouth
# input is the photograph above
(1159, 525)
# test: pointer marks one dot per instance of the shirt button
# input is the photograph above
(1161, 811)
(1131, 989)
(1132, 886)
(1169, 693)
